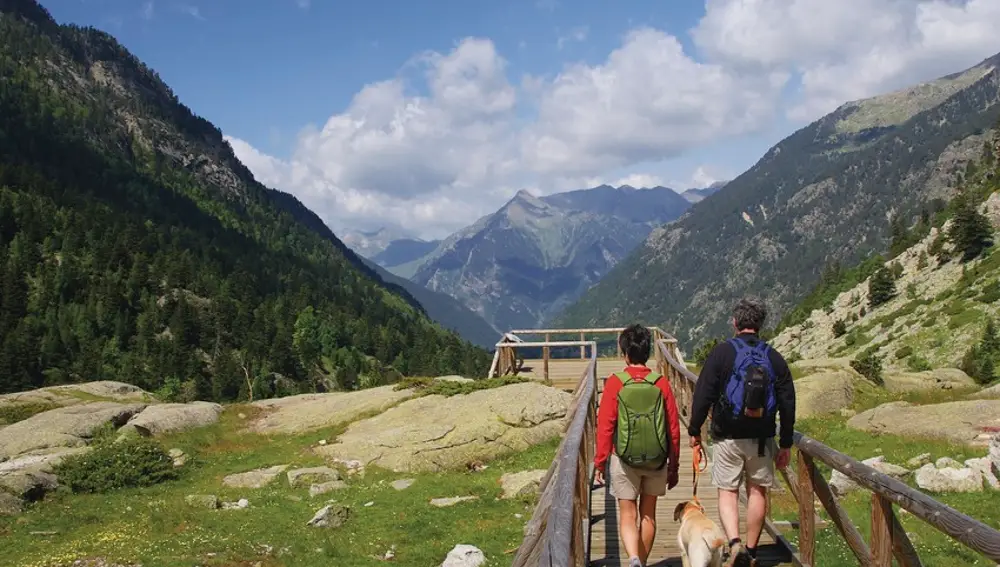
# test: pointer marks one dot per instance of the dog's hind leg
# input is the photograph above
(685, 562)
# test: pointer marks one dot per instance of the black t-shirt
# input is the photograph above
(715, 373)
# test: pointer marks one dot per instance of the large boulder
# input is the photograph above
(841, 484)
(307, 412)
(435, 433)
(168, 418)
(939, 379)
(62, 428)
(257, 478)
(988, 393)
(825, 391)
(962, 421)
(463, 555)
(521, 483)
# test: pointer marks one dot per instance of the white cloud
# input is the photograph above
(147, 10)
(191, 10)
(433, 162)
(849, 49)
(578, 34)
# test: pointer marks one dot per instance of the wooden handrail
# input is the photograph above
(886, 490)
(558, 533)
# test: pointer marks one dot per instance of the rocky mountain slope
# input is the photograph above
(696, 195)
(823, 194)
(938, 312)
(449, 312)
(519, 266)
(135, 245)
(404, 252)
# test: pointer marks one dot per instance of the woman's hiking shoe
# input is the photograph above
(635, 562)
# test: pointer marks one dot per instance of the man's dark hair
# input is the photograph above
(750, 313)
(635, 342)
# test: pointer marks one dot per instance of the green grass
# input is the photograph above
(154, 526)
(13, 413)
(933, 547)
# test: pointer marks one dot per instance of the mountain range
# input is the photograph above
(822, 195)
(135, 246)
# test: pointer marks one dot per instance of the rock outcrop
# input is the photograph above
(464, 556)
(939, 379)
(258, 478)
(307, 412)
(841, 484)
(63, 428)
(961, 421)
(77, 394)
(521, 483)
(169, 418)
(418, 436)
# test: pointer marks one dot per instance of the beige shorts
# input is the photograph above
(731, 458)
(628, 483)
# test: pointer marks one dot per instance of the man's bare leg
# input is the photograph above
(756, 508)
(729, 511)
(628, 527)
(647, 525)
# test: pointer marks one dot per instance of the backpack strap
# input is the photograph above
(625, 377)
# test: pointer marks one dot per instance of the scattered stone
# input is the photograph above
(390, 554)
(203, 501)
(933, 479)
(521, 483)
(451, 501)
(985, 468)
(317, 489)
(353, 466)
(168, 418)
(464, 556)
(403, 483)
(369, 504)
(330, 516)
(255, 478)
(919, 461)
(841, 484)
(180, 459)
(947, 462)
(43, 534)
(416, 436)
(322, 442)
(10, 505)
(314, 475)
(847, 412)
(242, 504)
(994, 453)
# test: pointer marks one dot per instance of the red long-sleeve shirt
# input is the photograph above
(607, 416)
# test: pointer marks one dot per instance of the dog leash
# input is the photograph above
(696, 461)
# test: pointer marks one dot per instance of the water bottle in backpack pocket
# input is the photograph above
(749, 392)
(641, 434)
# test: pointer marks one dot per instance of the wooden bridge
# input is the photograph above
(576, 523)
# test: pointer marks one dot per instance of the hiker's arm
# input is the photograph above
(706, 391)
(607, 415)
(784, 393)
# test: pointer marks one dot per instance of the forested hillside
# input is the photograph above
(135, 246)
(822, 195)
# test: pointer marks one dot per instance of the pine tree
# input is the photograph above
(971, 232)
(881, 287)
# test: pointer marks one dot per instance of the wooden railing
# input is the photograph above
(558, 533)
(506, 359)
(888, 539)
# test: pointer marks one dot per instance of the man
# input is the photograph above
(746, 383)
(646, 448)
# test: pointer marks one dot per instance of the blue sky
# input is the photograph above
(547, 95)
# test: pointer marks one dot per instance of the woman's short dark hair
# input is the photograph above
(750, 313)
(635, 342)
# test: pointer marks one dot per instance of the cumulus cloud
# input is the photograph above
(849, 49)
(434, 155)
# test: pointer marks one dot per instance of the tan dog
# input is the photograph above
(700, 539)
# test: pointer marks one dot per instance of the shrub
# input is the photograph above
(917, 363)
(112, 465)
(869, 365)
(701, 353)
(839, 328)
(922, 260)
(904, 352)
(991, 293)
(430, 386)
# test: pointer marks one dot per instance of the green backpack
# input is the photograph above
(641, 432)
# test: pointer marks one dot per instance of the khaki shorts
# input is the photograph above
(628, 483)
(731, 458)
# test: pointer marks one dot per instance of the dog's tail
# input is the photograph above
(713, 540)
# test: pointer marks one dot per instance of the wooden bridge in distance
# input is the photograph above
(576, 523)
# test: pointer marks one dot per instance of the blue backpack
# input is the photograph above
(749, 392)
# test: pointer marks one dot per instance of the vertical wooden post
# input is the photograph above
(618, 345)
(807, 512)
(881, 540)
(583, 349)
(545, 358)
